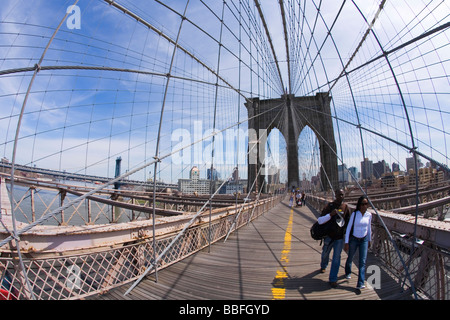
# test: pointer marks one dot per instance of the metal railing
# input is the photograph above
(35, 198)
(80, 274)
(421, 265)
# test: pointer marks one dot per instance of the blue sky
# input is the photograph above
(81, 120)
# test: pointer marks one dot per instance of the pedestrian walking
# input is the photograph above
(357, 237)
(337, 214)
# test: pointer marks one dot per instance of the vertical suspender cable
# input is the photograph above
(269, 38)
(286, 41)
(13, 162)
(318, 55)
(211, 173)
(413, 148)
(237, 214)
(156, 157)
(236, 172)
(343, 72)
(384, 226)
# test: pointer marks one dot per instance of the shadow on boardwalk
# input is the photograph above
(273, 257)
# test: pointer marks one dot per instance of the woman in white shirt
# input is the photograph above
(358, 236)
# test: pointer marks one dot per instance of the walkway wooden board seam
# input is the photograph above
(246, 266)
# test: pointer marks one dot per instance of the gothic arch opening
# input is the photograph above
(290, 115)
(309, 160)
(275, 162)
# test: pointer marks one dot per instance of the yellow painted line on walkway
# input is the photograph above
(279, 288)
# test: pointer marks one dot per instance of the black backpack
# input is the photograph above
(329, 228)
(320, 231)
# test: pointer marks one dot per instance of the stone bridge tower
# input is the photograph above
(290, 115)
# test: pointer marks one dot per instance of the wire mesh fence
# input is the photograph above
(83, 274)
(418, 265)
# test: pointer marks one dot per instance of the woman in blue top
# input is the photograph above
(357, 236)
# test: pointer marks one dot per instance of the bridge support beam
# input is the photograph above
(5, 204)
(291, 115)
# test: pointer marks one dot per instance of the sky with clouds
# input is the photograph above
(81, 120)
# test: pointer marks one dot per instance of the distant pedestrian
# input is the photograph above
(298, 199)
(357, 237)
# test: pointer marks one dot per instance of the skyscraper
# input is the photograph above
(366, 169)
(194, 174)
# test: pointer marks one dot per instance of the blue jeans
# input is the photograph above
(353, 245)
(336, 245)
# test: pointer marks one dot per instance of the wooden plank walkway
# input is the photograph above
(273, 257)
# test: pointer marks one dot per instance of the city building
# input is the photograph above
(410, 164)
(231, 187)
(395, 167)
(354, 173)
(380, 168)
(215, 175)
(235, 175)
(194, 184)
(344, 174)
(194, 174)
(427, 176)
(366, 169)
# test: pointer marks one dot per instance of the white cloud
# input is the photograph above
(77, 119)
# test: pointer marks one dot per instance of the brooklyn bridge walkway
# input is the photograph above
(273, 257)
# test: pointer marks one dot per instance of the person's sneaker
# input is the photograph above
(360, 287)
(348, 276)
(333, 284)
(322, 270)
